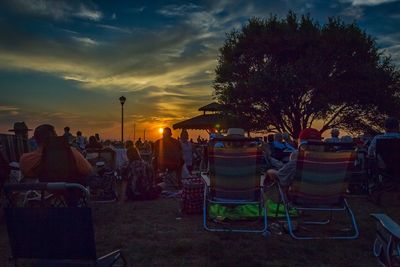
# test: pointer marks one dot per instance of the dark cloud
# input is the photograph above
(161, 57)
(58, 10)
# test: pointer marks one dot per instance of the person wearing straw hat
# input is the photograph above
(20, 129)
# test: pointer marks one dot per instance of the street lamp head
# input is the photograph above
(122, 100)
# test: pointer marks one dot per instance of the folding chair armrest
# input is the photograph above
(206, 178)
(44, 186)
(391, 226)
(111, 258)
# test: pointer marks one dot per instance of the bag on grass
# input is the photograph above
(192, 195)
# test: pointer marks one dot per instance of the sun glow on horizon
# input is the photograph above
(160, 130)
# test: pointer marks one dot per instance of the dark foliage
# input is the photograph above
(284, 75)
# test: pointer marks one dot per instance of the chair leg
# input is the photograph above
(347, 210)
(353, 221)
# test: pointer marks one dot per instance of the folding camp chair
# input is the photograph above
(13, 146)
(233, 180)
(57, 164)
(387, 242)
(106, 155)
(319, 185)
(386, 171)
(50, 233)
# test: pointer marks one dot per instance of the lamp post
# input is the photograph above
(122, 100)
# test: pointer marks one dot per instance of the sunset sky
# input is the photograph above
(68, 62)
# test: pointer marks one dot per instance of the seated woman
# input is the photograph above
(139, 177)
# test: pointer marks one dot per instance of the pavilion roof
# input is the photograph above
(205, 122)
(214, 106)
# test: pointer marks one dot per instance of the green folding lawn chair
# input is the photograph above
(320, 185)
(234, 180)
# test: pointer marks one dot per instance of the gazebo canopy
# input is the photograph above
(205, 122)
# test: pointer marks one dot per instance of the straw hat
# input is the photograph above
(20, 127)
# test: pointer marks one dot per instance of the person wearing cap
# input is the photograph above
(391, 132)
(168, 154)
(334, 136)
(285, 175)
(30, 161)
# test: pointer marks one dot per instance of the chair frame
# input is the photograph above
(45, 216)
(341, 206)
(387, 242)
(209, 200)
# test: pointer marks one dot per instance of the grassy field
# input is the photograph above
(154, 233)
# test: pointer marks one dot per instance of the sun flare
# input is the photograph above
(160, 130)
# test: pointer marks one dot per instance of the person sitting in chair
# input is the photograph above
(391, 132)
(30, 163)
(280, 149)
(285, 175)
(139, 182)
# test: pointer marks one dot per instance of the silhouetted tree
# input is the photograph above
(284, 75)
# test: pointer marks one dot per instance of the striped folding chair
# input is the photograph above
(320, 185)
(233, 179)
(13, 147)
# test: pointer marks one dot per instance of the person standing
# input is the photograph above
(139, 144)
(68, 136)
(168, 154)
(80, 141)
(187, 150)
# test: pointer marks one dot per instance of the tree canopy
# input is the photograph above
(286, 74)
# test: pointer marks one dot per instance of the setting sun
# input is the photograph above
(160, 130)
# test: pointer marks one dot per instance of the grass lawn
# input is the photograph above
(154, 233)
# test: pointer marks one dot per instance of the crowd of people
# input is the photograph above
(140, 175)
(176, 156)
